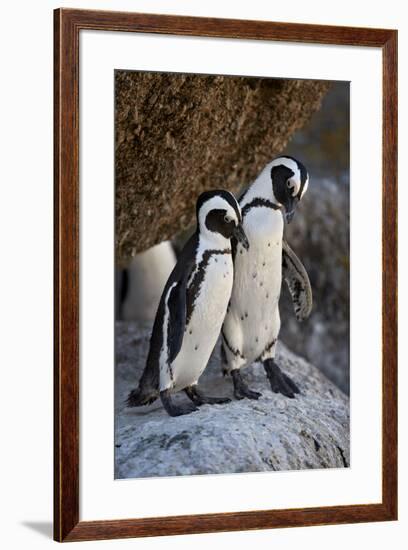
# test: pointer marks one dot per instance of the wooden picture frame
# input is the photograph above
(67, 25)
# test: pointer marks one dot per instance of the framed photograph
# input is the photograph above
(225, 275)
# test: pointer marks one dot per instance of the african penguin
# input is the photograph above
(192, 308)
(251, 327)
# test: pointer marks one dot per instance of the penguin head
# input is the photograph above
(289, 183)
(219, 216)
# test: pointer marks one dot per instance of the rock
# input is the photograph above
(273, 433)
(319, 235)
(178, 135)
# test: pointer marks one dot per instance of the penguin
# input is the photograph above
(252, 323)
(192, 308)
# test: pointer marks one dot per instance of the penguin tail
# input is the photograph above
(224, 361)
(139, 397)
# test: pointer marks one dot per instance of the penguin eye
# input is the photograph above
(288, 184)
(227, 218)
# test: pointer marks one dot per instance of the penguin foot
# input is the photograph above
(198, 398)
(175, 410)
(279, 381)
(137, 398)
(241, 388)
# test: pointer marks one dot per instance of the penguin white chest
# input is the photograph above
(254, 314)
(209, 305)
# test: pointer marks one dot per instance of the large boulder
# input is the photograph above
(320, 234)
(273, 433)
(178, 135)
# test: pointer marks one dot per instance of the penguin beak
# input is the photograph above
(239, 234)
(289, 215)
(290, 208)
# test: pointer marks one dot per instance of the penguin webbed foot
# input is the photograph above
(138, 398)
(198, 398)
(175, 410)
(279, 381)
(132, 399)
(241, 388)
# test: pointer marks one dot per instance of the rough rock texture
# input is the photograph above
(177, 135)
(273, 433)
(319, 235)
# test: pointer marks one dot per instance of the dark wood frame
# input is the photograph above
(67, 25)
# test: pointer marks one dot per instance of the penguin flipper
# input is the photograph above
(298, 282)
(177, 319)
(177, 311)
(234, 245)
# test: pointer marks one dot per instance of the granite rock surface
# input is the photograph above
(177, 135)
(273, 433)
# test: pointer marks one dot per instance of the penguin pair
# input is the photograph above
(228, 278)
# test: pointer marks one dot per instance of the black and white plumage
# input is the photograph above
(251, 327)
(192, 307)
